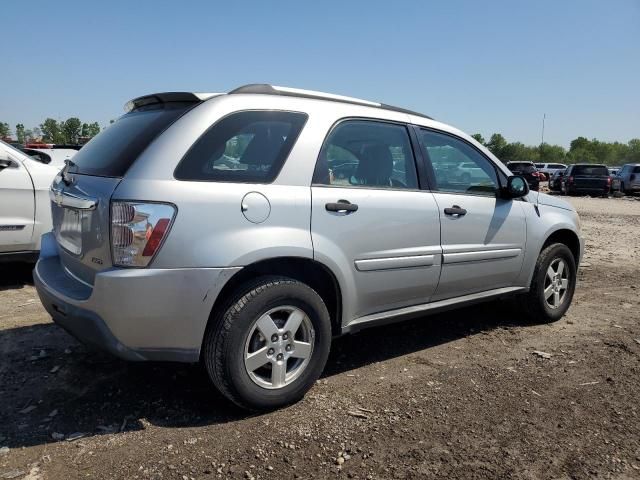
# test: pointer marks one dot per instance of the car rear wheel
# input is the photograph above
(552, 285)
(269, 345)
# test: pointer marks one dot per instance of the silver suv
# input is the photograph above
(245, 230)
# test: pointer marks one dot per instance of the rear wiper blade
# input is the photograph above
(65, 172)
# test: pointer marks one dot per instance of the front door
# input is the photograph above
(483, 235)
(371, 223)
(16, 205)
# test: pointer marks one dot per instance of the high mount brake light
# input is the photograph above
(137, 231)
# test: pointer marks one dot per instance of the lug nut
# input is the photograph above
(270, 351)
(280, 356)
(288, 348)
(274, 338)
(285, 336)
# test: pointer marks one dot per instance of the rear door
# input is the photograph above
(16, 204)
(371, 222)
(483, 236)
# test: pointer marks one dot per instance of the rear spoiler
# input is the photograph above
(166, 97)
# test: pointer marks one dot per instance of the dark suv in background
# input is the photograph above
(587, 179)
(527, 170)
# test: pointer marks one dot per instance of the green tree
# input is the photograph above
(20, 133)
(51, 131)
(478, 137)
(94, 129)
(551, 153)
(5, 131)
(71, 129)
(497, 144)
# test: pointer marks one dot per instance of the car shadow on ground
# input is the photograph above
(15, 275)
(50, 384)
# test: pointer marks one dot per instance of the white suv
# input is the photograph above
(25, 211)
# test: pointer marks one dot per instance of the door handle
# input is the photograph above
(455, 210)
(341, 206)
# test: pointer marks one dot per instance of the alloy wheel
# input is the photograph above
(279, 347)
(556, 283)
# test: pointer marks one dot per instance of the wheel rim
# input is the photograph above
(556, 283)
(279, 347)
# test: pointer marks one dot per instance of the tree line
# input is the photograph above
(581, 150)
(69, 131)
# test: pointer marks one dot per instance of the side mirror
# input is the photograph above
(517, 187)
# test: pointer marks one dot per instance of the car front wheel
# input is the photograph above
(270, 345)
(552, 285)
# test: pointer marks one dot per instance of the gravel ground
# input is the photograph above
(458, 395)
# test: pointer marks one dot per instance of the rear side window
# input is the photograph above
(588, 170)
(247, 147)
(113, 151)
(636, 170)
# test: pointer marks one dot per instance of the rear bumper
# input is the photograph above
(135, 314)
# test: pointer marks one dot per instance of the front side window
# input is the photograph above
(457, 166)
(365, 153)
(247, 147)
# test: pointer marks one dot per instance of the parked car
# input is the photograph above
(613, 171)
(555, 182)
(550, 168)
(587, 179)
(25, 212)
(528, 171)
(627, 180)
(51, 156)
(159, 253)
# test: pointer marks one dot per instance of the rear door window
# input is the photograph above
(246, 147)
(367, 154)
(113, 151)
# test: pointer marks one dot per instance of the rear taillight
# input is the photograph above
(608, 181)
(137, 231)
(570, 180)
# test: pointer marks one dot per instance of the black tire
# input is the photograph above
(535, 306)
(226, 336)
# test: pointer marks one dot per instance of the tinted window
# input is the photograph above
(246, 146)
(589, 170)
(521, 167)
(557, 165)
(541, 165)
(360, 153)
(114, 150)
(636, 170)
(457, 166)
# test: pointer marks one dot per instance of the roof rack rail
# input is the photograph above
(266, 89)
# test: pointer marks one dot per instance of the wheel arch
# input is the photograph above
(311, 272)
(567, 237)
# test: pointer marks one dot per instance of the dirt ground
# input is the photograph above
(458, 395)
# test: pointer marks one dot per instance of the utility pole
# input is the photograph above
(544, 116)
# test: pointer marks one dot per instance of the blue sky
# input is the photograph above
(483, 66)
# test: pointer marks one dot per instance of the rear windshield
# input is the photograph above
(521, 167)
(113, 151)
(588, 170)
